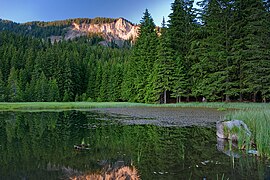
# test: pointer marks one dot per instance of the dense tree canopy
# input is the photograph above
(220, 51)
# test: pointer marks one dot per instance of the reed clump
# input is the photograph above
(258, 122)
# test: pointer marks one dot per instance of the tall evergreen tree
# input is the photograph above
(251, 47)
(13, 88)
(144, 55)
(103, 94)
(53, 94)
(209, 54)
(42, 88)
(64, 78)
(181, 27)
(161, 80)
(2, 88)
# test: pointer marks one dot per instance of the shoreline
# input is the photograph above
(28, 106)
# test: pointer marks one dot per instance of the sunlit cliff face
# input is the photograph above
(118, 30)
(122, 173)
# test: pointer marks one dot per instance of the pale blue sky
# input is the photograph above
(50, 10)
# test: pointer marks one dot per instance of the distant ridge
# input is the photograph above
(111, 29)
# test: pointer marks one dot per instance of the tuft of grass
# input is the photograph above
(259, 123)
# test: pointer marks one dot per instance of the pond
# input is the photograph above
(96, 145)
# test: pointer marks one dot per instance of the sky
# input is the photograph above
(51, 10)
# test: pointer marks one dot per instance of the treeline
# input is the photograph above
(41, 29)
(34, 29)
(34, 70)
(220, 52)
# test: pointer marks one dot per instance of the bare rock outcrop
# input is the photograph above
(116, 31)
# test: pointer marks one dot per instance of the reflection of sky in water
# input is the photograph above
(41, 145)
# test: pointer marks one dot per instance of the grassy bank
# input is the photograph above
(259, 123)
(87, 105)
(62, 105)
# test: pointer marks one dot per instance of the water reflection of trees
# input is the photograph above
(41, 144)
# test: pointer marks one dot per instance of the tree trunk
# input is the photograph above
(254, 97)
(165, 97)
(241, 97)
(227, 98)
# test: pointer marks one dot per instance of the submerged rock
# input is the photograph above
(225, 147)
(229, 129)
(228, 138)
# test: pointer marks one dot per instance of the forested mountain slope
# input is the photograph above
(112, 30)
(220, 51)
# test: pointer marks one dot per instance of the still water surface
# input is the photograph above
(40, 145)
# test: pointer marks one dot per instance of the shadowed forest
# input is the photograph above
(220, 51)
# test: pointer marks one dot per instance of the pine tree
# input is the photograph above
(251, 47)
(14, 91)
(104, 83)
(64, 78)
(181, 26)
(163, 73)
(2, 88)
(128, 91)
(144, 55)
(91, 74)
(42, 88)
(180, 33)
(53, 94)
(66, 97)
(28, 93)
(115, 79)
(179, 84)
(98, 81)
(211, 65)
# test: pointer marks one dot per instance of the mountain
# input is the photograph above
(111, 30)
(118, 31)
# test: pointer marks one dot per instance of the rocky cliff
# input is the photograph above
(117, 31)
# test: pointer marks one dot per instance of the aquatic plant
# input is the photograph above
(258, 121)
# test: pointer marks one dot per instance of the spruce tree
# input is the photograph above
(53, 94)
(161, 80)
(251, 47)
(211, 62)
(104, 83)
(13, 88)
(144, 55)
(42, 88)
(179, 84)
(2, 88)
(180, 34)
(181, 26)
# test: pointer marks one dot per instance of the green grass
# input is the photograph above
(221, 106)
(61, 105)
(259, 123)
(87, 105)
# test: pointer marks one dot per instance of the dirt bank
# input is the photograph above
(163, 116)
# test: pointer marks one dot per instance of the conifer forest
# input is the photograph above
(217, 51)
